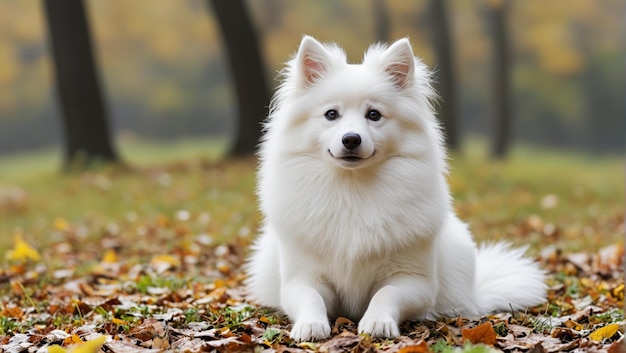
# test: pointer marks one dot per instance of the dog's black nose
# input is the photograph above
(351, 140)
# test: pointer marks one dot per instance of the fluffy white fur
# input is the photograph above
(368, 233)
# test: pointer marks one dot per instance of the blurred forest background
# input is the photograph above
(164, 70)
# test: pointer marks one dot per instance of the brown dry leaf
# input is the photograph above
(565, 334)
(344, 325)
(344, 321)
(148, 330)
(353, 344)
(421, 347)
(519, 330)
(483, 333)
(230, 342)
(573, 325)
(13, 311)
(617, 347)
(160, 343)
(538, 348)
(128, 347)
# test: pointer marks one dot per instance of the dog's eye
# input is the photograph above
(373, 115)
(331, 114)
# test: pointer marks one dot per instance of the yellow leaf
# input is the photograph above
(56, 349)
(61, 224)
(71, 340)
(618, 292)
(163, 221)
(119, 321)
(91, 346)
(165, 259)
(586, 282)
(110, 256)
(604, 332)
(225, 332)
(265, 319)
(22, 251)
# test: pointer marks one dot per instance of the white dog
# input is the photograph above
(358, 216)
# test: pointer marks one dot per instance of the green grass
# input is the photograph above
(582, 196)
(540, 196)
(25, 166)
(38, 201)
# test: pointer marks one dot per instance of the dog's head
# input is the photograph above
(355, 116)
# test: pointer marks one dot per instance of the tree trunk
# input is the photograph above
(87, 137)
(496, 13)
(248, 71)
(444, 74)
(381, 20)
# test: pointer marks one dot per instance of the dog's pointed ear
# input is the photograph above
(400, 63)
(312, 60)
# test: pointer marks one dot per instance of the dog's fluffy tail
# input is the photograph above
(506, 280)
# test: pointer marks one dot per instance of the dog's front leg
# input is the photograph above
(401, 298)
(306, 308)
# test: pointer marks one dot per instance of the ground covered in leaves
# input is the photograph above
(150, 260)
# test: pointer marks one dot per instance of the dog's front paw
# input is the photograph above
(383, 327)
(304, 331)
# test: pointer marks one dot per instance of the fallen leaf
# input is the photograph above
(162, 263)
(538, 348)
(22, 251)
(265, 319)
(565, 334)
(343, 325)
(148, 330)
(129, 347)
(604, 332)
(421, 347)
(519, 330)
(618, 292)
(354, 344)
(18, 343)
(483, 333)
(72, 339)
(13, 311)
(91, 346)
(573, 325)
(110, 257)
(61, 224)
(160, 343)
(118, 321)
(617, 347)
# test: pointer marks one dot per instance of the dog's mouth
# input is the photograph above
(351, 158)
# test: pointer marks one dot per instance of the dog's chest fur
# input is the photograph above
(355, 216)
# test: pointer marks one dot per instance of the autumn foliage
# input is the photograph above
(171, 278)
